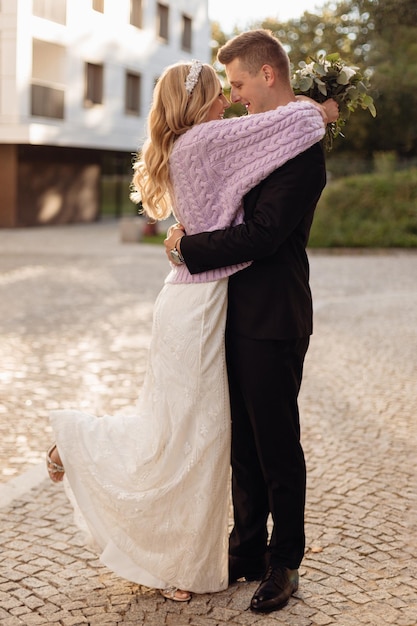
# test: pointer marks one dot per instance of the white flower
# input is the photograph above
(349, 71)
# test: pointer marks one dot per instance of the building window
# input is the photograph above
(98, 5)
(53, 10)
(136, 13)
(186, 33)
(162, 21)
(49, 69)
(132, 96)
(47, 101)
(93, 84)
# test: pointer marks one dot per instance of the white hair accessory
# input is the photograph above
(193, 75)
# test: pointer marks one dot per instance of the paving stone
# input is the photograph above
(75, 319)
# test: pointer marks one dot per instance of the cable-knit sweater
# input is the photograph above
(214, 164)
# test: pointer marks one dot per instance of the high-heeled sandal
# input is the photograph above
(171, 593)
(52, 467)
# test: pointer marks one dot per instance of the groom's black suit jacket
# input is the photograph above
(271, 299)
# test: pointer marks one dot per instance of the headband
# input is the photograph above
(193, 76)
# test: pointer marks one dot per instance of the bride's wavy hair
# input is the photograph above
(173, 112)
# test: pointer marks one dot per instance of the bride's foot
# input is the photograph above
(54, 464)
(178, 595)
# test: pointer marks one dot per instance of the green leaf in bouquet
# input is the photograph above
(368, 103)
(333, 57)
(320, 69)
(306, 83)
(321, 86)
(343, 78)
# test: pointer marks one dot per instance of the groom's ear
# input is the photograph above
(268, 73)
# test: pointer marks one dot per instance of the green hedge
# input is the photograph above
(370, 210)
(366, 210)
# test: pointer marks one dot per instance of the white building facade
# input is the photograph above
(76, 81)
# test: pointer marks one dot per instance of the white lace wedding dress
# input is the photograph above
(152, 487)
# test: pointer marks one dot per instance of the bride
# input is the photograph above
(152, 487)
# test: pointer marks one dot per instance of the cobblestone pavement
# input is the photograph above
(75, 317)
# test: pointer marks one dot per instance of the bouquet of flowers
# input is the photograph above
(330, 77)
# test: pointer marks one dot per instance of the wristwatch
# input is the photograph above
(175, 255)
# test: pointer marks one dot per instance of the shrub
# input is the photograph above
(370, 210)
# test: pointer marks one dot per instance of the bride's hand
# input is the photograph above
(171, 229)
(173, 234)
(331, 110)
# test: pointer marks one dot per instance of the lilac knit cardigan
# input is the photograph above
(213, 165)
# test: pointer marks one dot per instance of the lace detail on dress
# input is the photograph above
(153, 485)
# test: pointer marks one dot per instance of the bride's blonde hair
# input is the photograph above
(172, 113)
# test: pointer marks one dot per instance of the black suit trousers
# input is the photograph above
(268, 466)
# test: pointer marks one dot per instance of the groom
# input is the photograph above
(268, 327)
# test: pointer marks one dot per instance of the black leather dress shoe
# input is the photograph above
(249, 569)
(276, 588)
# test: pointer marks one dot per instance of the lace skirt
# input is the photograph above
(151, 486)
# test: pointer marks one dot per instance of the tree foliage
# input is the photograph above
(378, 36)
